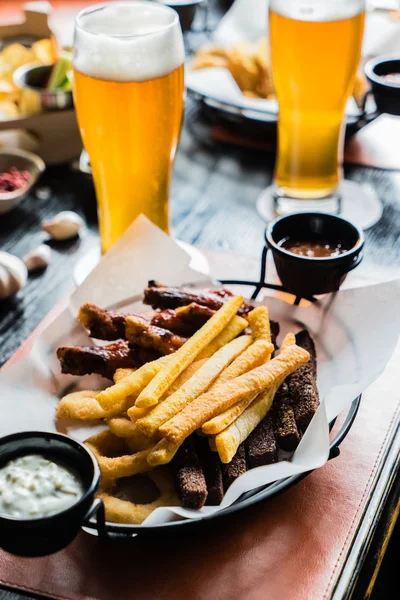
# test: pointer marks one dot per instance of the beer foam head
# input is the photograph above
(134, 41)
(317, 10)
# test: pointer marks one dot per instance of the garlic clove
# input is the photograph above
(13, 275)
(63, 226)
(38, 258)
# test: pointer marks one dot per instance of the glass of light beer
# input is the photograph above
(129, 94)
(315, 51)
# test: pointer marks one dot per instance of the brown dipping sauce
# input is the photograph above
(313, 248)
(391, 78)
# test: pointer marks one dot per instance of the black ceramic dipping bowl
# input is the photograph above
(387, 95)
(45, 535)
(305, 276)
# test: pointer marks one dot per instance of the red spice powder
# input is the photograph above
(13, 179)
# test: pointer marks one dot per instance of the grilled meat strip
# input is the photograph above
(103, 360)
(102, 324)
(110, 325)
(161, 296)
(141, 333)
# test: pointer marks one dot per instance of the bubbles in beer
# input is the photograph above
(134, 41)
(317, 10)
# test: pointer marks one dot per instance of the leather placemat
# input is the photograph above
(291, 546)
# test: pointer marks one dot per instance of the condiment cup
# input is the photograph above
(35, 78)
(306, 276)
(45, 535)
(24, 161)
(387, 95)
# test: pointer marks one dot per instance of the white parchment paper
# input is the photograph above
(355, 333)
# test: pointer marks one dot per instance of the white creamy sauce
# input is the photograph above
(32, 486)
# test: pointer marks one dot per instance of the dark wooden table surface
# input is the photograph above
(213, 197)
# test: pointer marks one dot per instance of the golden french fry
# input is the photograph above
(132, 384)
(187, 353)
(162, 453)
(229, 333)
(221, 421)
(136, 412)
(221, 397)
(228, 441)
(196, 385)
(288, 340)
(255, 355)
(84, 406)
(259, 323)
(122, 373)
(184, 377)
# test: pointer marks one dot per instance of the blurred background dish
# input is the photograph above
(383, 73)
(38, 80)
(21, 161)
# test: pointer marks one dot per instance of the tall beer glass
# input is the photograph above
(128, 91)
(315, 51)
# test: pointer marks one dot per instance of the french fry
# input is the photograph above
(211, 443)
(136, 412)
(162, 453)
(259, 323)
(231, 331)
(223, 420)
(255, 355)
(196, 385)
(288, 340)
(211, 403)
(132, 384)
(186, 354)
(84, 406)
(228, 441)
